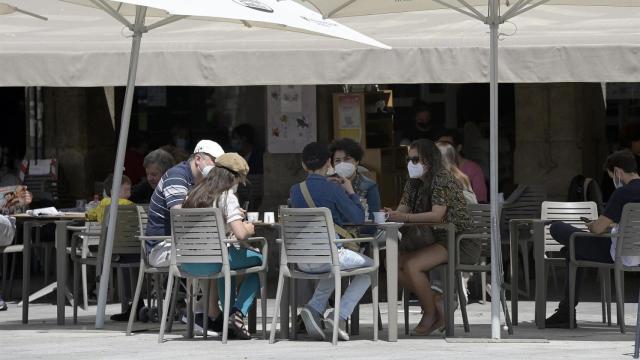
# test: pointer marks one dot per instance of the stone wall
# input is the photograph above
(79, 133)
(559, 134)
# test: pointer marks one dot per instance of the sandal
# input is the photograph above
(236, 324)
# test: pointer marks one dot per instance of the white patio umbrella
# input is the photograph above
(276, 14)
(10, 9)
(492, 13)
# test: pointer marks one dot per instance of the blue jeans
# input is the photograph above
(586, 248)
(359, 283)
(239, 258)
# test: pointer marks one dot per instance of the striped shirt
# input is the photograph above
(171, 191)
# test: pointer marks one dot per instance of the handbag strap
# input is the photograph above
(311, 204)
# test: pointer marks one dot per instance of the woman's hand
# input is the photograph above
(395, 216)
(250, 228)
(345, 183)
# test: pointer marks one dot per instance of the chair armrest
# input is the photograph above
(154, 237)
(279, 241)
(572, 248)
(84, 233)
(355, 240)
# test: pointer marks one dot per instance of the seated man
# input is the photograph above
(622, 168)
(156, 163)
(170, 193)
(336, 194)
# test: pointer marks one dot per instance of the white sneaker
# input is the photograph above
(312, 321)
(342, 326)
(197, 325)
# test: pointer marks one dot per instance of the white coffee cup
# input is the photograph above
(269, 217)
(380, 217)
(253, 216)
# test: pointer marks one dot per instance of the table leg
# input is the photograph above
(26, 269)
(541, 286)
(61, 268)
(392, 282)
(513, 246)
(451, 276)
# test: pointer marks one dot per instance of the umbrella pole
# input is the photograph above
(496, 283)
(138, 30)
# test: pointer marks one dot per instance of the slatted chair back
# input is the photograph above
(524, 203)
(198, 236)
(143, 218)
(568, 212)
(127, 228)
(93, 230)
(481, 219)
(308, 236)
(629, 232)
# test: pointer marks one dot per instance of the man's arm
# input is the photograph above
(600, 226)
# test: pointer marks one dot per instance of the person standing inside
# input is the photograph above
(423, 126)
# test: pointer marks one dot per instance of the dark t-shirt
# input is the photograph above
(629, 193)
(141, 193)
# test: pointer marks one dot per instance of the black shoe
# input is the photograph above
(237, 325)
(559, 320)
(125, 315)
(217, 324)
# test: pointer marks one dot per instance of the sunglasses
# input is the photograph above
(413, 159)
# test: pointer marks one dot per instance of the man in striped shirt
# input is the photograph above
(171, 192)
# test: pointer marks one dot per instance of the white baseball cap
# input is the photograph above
(208, 147)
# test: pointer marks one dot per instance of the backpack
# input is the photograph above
(583, 188)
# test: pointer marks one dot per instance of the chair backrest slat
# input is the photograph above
(524, 203)
(198, 236)
(568, 212)
(308, 236)
(629, 231)
(481, 219)
(127, 228)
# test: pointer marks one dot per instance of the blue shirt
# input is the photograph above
(368, 189)
(345, 208)
(172, 190)
(629, 193)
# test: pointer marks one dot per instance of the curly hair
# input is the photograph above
(349, 146)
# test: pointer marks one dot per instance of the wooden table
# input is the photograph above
(61, 221)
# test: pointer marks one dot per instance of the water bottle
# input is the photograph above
(365, 207)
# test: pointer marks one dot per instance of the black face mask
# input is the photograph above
(423, 126)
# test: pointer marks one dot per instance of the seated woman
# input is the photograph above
(346, 155)
(431, 195)
(450, 162)
(218, 190)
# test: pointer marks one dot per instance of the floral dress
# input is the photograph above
(445, 191)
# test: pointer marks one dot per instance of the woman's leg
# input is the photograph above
(416, 267)
(403, 280)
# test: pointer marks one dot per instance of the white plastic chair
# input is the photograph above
(570, 213)
(628, 244)
(146, 269)
(198, 236)
(308, 237)
(90, 235)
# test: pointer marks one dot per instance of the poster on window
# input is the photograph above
(291, 118)
(349, 112)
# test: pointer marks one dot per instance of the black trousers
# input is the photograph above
(589, 248)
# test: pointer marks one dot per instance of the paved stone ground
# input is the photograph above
(43, 339)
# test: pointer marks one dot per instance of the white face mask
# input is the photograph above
(415, 170)
(617, 181)
(205, 170)
(345, 169)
